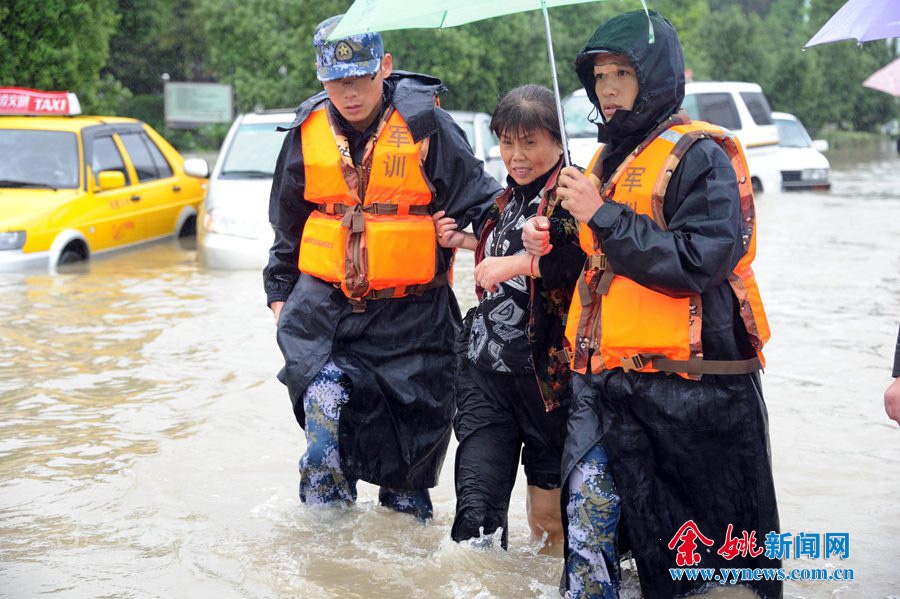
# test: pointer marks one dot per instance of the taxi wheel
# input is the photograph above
(189, 228)
(70, 256)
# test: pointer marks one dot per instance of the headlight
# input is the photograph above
(223, 224)
(815, 174)
(12, 240)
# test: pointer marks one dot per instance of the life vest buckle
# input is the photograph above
(564, 355)
(635, 362)
(597, 261)
(358, 305)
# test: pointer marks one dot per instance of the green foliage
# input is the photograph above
(146, 107)
(110, 50)
(156, 37)
(838, 139)
(56, 45)
(264, 48)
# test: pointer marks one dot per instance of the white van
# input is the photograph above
(233, 229)
(740, 107)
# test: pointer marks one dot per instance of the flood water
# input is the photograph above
(146, 449)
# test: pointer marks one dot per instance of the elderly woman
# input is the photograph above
(513, 386)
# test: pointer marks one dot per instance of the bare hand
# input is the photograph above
(495, 269)
(276, 310)
(578, 194)
(536, 236)
(447, 234)
(892, 401)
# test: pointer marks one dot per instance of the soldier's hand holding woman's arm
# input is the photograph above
(448, 234)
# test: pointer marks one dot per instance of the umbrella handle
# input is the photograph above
(559, 112)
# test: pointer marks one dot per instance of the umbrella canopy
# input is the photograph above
(385, 15)
(886, 79)
(860, 20)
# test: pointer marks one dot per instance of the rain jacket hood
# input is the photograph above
(659, 67)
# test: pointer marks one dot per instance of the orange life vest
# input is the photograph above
(371, 232)
(615, 322)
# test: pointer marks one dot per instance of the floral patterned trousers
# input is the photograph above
(321, 478)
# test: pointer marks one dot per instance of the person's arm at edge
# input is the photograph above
(892, 393)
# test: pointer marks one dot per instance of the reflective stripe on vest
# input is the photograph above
(376, 233)
(616, 323)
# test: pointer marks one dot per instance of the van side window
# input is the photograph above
(758, 107)
(141, 149)
(718, 109)
(105, 156)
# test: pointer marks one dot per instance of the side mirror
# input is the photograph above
(494, 153)
(196, 167)
(110, 179)
(820, 145)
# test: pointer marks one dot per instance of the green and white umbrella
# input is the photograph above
(366, 16)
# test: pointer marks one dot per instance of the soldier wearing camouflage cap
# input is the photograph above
(369, 359)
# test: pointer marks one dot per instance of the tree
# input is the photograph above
(156, 37)
(57, 45)
(264, 48)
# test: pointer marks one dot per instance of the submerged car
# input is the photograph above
(234, 230)
(75, 186)
(740, 107)
(802, 164)
(485, 145)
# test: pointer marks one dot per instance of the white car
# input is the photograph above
(233, 229)
(740, 107)
(485, 145)
(803, 166)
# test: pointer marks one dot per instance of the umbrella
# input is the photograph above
(886, 79)
(860, 20)
(384, 15)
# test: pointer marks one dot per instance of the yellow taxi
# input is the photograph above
(74, 186)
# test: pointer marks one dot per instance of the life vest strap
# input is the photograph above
(359, 303)
(376, 208)
(605, 281)
(694, 366)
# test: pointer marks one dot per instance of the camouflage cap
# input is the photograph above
(353, 56)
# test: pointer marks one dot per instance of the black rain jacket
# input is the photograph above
(679, 450)
(399, 353)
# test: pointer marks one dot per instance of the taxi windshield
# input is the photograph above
(38, 159)
(254, 151)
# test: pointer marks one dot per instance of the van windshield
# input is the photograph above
(253, 151)
(758, 107)
(38, 159)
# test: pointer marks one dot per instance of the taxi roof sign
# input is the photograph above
(24, 101)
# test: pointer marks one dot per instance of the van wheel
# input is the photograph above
(757, 185)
